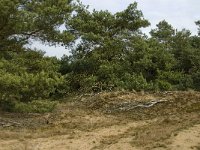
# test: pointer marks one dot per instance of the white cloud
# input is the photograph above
(179, 13)
(57, 51)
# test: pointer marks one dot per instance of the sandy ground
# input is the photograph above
(187, 139)
(134, 122)
(80, 140)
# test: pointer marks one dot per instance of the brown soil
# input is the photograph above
(110, 121)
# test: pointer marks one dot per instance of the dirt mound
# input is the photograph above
(144, 106)
(114, 120)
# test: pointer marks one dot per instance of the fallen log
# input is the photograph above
(8, 123)
(131, 105)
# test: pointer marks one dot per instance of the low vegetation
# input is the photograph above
(99, 122)
(118, 89)
(108, 52)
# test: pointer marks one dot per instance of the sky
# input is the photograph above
(179, 13)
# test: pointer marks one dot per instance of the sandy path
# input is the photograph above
(187, 139)
(97, 139)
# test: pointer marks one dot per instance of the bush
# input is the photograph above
(88, 82)
(28, 76)
(27, 87)
(36, 106)
(133, 82)
(162, 85)
(177, 80)
(196, 79)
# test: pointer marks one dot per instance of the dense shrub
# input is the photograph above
(29, 76)
(36, 106)
(133, 82)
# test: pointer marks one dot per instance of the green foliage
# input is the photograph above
(104, 35)
(87, 83)
(133, 82)
(170, 76)
(107, 50)
(105, 39)
(36, 106)
(163, 32)
(28, 86)
(26, 75)
(113, 51)
(196, 80)
(22, 20)
(162, 85)
(29, 76)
